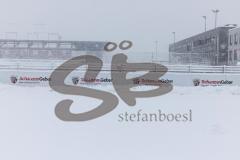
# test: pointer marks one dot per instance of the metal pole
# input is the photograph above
(217, 50)
(216, 11)
(153, 52)
(174, 42)
(205, 23)
(156, 48)
(216, 16)
(174, 38)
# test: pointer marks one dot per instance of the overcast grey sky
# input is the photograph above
(142, 21)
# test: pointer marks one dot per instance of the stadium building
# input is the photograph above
(208, 48)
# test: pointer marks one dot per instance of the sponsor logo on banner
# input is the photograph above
(198, 82)
(28, 80)
(92, 81)
(75, 80)
(13, 79)
(151, 82)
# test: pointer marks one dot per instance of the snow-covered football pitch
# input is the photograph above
(31, 131)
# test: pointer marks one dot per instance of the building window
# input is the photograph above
(230, 41)
(239, 38)
(235, 55)
(235, 39)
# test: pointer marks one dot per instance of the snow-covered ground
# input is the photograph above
(31, 131)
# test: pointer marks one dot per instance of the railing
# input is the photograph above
(51, 65)
(203, 69)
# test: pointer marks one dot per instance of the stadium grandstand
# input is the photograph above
(48, 49)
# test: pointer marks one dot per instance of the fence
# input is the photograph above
(51, 65)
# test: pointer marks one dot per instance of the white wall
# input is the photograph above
(40, 78)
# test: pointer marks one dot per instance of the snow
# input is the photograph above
(30, 130)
